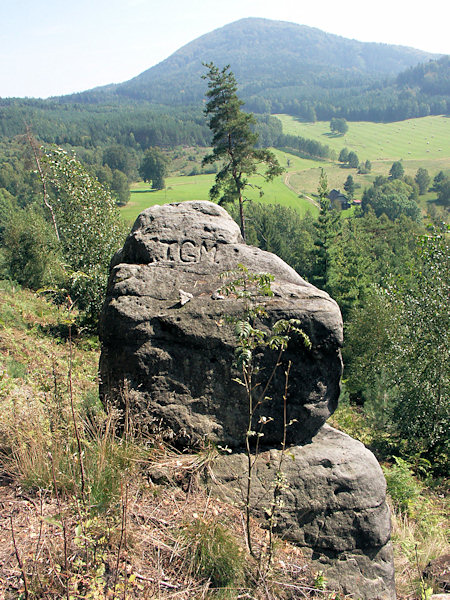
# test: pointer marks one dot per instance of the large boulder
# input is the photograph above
(333, 505)
(170, 362)
(167, 360)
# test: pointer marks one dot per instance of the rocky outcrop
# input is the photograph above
(334, 505)
(177, 356)
(167, 358)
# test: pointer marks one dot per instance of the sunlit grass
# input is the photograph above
(427, 138)
(196, 187)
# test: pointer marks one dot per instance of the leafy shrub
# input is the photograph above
(89, 226)
(31, 255)
(402, 486)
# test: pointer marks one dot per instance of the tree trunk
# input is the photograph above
(241, 215)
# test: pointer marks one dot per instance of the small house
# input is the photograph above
(338, 200)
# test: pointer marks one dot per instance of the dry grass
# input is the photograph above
(417, 540)
(137, 528)
(151, 559)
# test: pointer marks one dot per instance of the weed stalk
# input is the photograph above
(19, 559)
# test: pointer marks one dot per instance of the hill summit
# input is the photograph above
(275, 57)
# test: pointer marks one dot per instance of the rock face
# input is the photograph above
(167, 356)
(334, 505)
(177, 355)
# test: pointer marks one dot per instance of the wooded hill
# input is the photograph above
(281, 68)
(285, 67)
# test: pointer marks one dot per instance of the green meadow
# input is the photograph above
(418, 143)
(196, 187)
(427, 138)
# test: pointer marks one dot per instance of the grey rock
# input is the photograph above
(177, 360)
(334, 506)
(438, 572)
(167, 358)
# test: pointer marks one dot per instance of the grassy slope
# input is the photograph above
(196, 187)
(74, 545)
(159, 553)
(418, 142)
(426, 139)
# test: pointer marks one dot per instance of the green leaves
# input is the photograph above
(89, 225)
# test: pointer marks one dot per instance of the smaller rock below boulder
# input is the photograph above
(334, 505)
(437, 571)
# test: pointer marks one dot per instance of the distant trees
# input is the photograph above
(349, 187)
(365, 167)
(393, 198)
(397, 170)
(339, 125)
(234, 142)
(437, 180)
(349, 157)
(117, 158)
(353, 160)
(120, 187)
(422, 179)
(154, 168)
(303, 145)
(444, 192)
(343, 155)
(441, 185)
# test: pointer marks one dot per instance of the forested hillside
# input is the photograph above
(284, 67)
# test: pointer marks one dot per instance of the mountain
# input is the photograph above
(271, 59)
(280, 68)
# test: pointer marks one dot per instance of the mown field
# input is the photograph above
(426, 139)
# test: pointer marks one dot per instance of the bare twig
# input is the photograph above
(167, 584)
(72, 408)
(41, 526)
(31, 142)
(122, 541)
(278, 481)
(19, 559)
(64, 527)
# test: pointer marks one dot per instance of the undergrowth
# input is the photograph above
(82, 513)
(87, 513)
(419, 504)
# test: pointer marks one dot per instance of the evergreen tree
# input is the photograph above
(422, 179)
(327, 227)
(234, 142)
(343, 155)
(353, 160)
(444, 192)
(349, 186)
(438, 179)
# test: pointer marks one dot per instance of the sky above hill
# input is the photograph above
(55, 47)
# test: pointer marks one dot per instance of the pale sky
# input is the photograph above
(55, 47)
